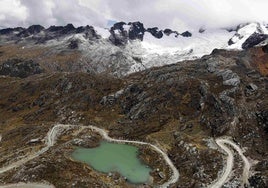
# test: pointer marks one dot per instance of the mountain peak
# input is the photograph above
(248, 35)
(134, 46)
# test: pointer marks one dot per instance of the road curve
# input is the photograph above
(222, 143)
(51, 137)
(247, 165)
(175, 173)
(51, 140)
(27, 185)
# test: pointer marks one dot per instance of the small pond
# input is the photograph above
(114, 157)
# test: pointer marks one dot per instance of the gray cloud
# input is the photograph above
(12, 13)
(39, 12)
(176, 14)
(60, 12)
(183, 14)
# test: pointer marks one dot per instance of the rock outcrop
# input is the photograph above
(20, 68)
(254, 40)
(155, 32)
(32, 30)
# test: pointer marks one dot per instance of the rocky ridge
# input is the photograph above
(130, 47)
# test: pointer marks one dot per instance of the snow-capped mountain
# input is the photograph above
(127, 48)
(248, 35)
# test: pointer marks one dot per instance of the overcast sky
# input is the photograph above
(174, 14)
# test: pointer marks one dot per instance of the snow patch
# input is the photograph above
(126, 27)
(104, 32)
(245, 32)
(136, 55)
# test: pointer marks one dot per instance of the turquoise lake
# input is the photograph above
(113, 157)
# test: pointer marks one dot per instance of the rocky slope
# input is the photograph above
(50, 76)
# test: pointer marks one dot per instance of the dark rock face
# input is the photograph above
(169, 32)
(6, 31)
(34, 29)
(20, 68)
(119, 26)
(90, 33)
(254, 40)
(230, 42)
(55, 32)
(54, 28)
(86, 29)
(118, 39)
(73, 44)
(136, 31)
(120, 33)
(68, 29)
(81, 29)
(118, 36)
(10, 30)
(155, 32)
(186, 34)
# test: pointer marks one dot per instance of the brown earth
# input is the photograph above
(177, 107)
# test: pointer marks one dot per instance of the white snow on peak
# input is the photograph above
(245, 32)
(200, 43)
(126, 27)
(104, 32)
(117, 32)
(102, 55)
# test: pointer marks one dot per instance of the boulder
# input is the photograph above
(250, 89)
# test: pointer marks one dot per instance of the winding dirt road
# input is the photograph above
(51, 140)
(52, 134)
(222, 143)
(51, 137)
(175, 173)
(27, 185)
